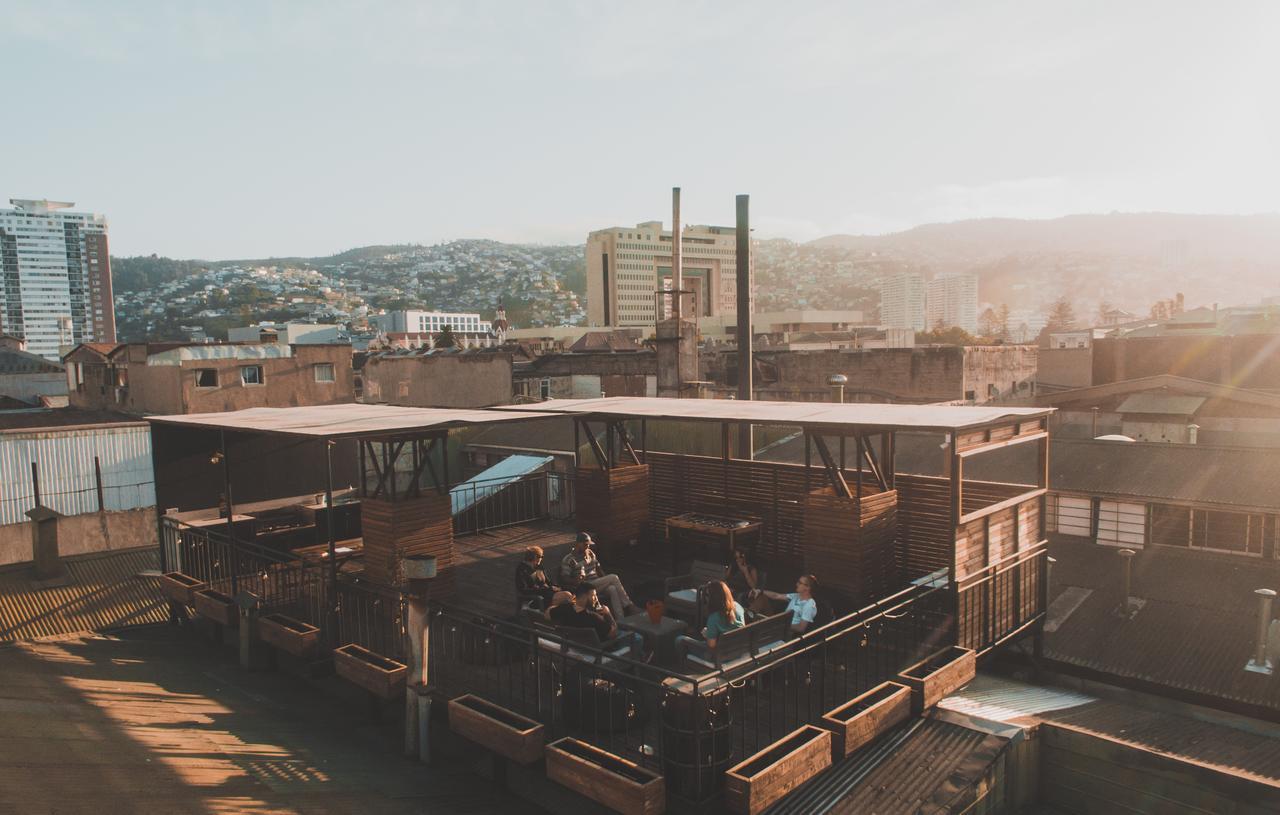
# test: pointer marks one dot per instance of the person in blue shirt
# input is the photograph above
(803, 608)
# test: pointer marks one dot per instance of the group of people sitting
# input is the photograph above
(729, 599)
(579, 606)
(574, 601)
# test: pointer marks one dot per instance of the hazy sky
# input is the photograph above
(225, 130)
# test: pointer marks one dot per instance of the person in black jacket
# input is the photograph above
(531, 581)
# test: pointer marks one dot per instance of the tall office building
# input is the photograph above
(626, 266)
(953, 301)
(56, 273)
(902, 299)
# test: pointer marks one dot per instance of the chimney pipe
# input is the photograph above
(677, 259)
(746, 448)
(1193, 433)
(837, 383)
(1127, 555)
(1259, 663)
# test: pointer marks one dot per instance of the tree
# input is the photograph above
(989, 323)
(1002, 321)
(1104, 308)
(955, 335)
(445, 338)
(1061, 317)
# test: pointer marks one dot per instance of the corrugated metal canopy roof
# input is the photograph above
(1166, 403)
(338, 421)
(936, 417)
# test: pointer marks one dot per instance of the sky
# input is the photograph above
(235, 130)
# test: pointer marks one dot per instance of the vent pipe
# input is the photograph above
(746, 447)
(837, 383)
(1127, 556)
(1193, 433)
(1259, 662)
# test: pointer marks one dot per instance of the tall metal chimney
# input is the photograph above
(837, 383)
(1259, 662)
(742, 261)
(677, 256)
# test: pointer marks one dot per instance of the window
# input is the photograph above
(323, 371)
(206, 377)
(545, 389)
(251, 374)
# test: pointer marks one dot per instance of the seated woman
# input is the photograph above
(803, 608)
(727, 616)
(531, 581)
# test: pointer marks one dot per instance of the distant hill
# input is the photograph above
(1128, 259)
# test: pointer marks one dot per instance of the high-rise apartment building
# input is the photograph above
(902, 298)
(626, 266)
(953, 301)
(56, 272)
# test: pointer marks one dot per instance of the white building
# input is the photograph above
(953, 301)
(902, 299)
(56, 272)
(431, 322)
(286, 333)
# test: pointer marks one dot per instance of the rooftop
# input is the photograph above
(340, 421)
(826, 414)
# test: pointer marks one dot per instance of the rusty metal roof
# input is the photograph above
(1193, 635)
(827, 414)
(103, 590)
(339, 421)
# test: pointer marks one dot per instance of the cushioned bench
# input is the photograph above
(741, 647)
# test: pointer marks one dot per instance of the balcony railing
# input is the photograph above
(495, 503)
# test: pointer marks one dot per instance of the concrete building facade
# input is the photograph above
(437, 380)
(286, 333)
(56, 270)
(170, 378)
(626, 266)
(902, 301)
(431, 322)
(952, 300)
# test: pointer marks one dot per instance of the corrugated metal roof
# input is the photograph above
(1004, 700)
(492, 480)
(337, 421)
(1247, 754)
(1165, 403)
(1192, 473)
(1194, 633)
(103, 591)
(64, 460)
(793, 413)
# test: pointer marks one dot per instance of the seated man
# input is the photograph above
(531, 581)
(586, 612)
(727, 616)
(582, 566)
(803, 608)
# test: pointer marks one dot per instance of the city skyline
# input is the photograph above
(308, 130)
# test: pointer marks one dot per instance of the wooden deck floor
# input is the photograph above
(487, 565)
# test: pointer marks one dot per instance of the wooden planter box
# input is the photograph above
(493, 726)
(375, 673)
(938, 676)
(180, 587)
(864, 718)
(610, 780)
(776, 770)
(289, 635)
(216, 606)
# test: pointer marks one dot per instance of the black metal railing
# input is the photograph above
(371, 616)
(499, 502)
(1003, 599)
(277, 579)
(689, 728)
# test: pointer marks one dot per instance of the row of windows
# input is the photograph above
(253, 375)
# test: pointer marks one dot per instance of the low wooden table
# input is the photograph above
(659, 638)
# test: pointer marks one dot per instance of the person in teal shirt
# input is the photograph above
(727, 616)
